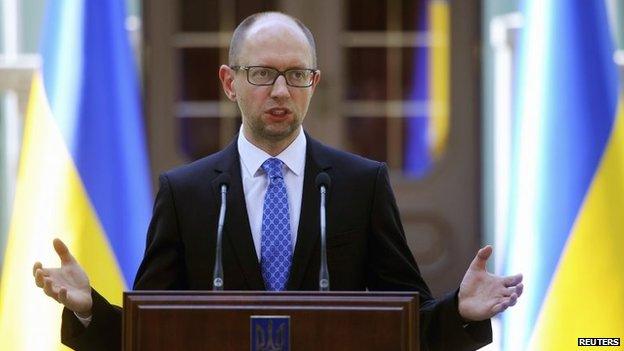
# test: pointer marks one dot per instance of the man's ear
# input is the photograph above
(317, 79)
(226, 75)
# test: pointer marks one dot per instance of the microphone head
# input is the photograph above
(224, 179)
(322, 179)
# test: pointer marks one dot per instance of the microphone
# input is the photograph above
(323, 182)
(217, 278)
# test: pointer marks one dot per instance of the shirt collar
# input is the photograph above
(253, 157)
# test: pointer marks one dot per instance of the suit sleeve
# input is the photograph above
(162, 268)
(103, 333)
(392, 267)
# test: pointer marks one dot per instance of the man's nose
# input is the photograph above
(280, 88)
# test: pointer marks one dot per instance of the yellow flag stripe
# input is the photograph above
(586, 297)
(50, 201)
(439, 56)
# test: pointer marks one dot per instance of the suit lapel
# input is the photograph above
(236, 228)
(309, 226)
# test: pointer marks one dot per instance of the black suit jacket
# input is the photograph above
(366, 247)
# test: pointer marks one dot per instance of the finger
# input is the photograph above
(513, 290)
(498, 308)
(513, 280)
(63, 252)
(508, 302)
(36, 266)
(481, 258)
(39, 276)
(513, 299)
(508, 291)
(62, 295)
(49, 289)
(504, 303)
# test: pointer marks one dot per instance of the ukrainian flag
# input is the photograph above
(83, 173)
(566, 232)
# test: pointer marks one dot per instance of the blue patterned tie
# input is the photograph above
(276, 249)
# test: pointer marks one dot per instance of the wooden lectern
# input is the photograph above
(226, 320)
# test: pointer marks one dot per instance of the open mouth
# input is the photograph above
(278, 112)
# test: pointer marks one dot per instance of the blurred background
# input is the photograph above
(462, 99)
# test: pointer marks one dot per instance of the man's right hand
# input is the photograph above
(68, 284)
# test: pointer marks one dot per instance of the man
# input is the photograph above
(272, 222)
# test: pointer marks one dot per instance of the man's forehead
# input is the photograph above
(275, 23)
(277, 32)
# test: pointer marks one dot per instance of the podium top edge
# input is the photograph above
(271, 293)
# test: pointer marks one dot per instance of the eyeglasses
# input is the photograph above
(260, 75)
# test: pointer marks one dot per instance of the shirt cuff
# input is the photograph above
(84, 321)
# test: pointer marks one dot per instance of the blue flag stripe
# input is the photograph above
(104, 130)
(417, 160)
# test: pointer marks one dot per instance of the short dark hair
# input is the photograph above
(241, 31)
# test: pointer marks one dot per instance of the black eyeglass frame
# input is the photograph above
(279, 73)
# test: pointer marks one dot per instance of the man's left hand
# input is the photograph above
(483, 295)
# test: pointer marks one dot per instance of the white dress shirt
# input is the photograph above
(255, 182)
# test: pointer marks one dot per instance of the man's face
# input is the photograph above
(273, 113)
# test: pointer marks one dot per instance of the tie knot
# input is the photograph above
(273, 167)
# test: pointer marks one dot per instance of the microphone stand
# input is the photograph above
(217, 278)
(322, 182)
